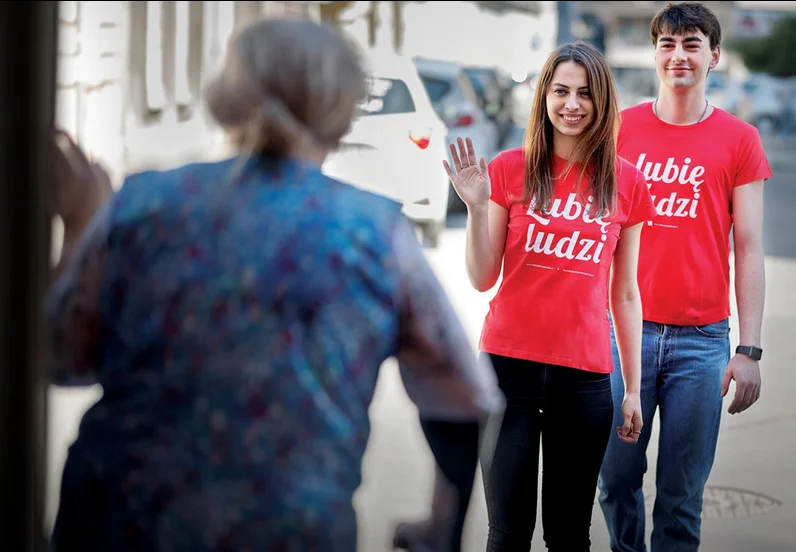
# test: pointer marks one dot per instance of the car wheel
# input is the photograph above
(455, 203)
(431, 233)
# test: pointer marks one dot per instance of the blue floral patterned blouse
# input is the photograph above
(236, 315)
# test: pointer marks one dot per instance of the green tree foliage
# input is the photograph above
(772, 54)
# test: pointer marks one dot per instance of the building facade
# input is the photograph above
(130, 75)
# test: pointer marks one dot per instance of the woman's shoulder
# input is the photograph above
(511, 159)
(149, 190)
(157, 192)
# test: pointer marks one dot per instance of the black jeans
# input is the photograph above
(572, 410)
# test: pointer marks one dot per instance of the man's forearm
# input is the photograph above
(750, 285)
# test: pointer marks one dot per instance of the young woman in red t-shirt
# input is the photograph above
(561, 217)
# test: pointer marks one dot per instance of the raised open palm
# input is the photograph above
(81, 186)
(471, 180)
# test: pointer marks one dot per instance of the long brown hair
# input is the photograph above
(595, 150)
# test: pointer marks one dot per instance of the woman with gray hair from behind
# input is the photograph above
(236, 315)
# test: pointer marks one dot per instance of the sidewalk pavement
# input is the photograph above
(750, 502)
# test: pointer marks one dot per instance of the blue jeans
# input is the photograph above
(682, 369)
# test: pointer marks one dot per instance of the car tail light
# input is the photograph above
(421, 137)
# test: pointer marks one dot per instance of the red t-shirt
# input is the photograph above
(551, 306)
(684, 266)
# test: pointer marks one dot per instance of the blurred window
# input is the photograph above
(436, 88)
(631, 31)
(636, 81)
(478, 81)
(387, 97)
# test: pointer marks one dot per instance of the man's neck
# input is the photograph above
(685, 107)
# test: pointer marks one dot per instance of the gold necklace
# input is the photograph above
(655, 109)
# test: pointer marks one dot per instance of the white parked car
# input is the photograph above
(396, 145)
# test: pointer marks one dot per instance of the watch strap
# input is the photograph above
(755, 353)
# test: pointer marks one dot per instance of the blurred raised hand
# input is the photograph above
(80, 186)
(471, 178)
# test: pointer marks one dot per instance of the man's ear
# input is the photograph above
(716, 56)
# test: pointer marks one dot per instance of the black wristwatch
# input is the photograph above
(755, 353)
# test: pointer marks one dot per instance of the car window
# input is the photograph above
(436, 88)
(478, 80)
(386, 97)
(478, 85)
(467, 88)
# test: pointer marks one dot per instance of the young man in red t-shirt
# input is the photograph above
(705, 170)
